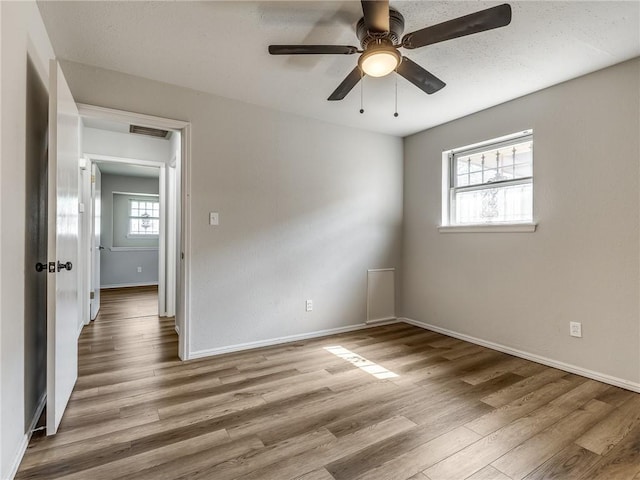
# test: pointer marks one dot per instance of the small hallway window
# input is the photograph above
(144, 218)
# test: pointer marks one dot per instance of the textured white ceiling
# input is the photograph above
(221, 48)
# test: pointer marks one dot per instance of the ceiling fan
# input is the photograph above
(379, 32)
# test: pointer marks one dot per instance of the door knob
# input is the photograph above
(41, 267)
(65, 266)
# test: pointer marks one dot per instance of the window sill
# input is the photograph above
(131, 249)
(497, 228)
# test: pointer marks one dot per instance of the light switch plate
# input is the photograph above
(213, 218)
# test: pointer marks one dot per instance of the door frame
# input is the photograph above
(94, 158)
(184, 204)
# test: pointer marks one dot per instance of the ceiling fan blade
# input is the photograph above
(488, 19)
(376, 15)
(311, 49)
(417, 75)
(347, 85)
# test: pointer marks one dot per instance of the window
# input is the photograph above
(490, 183)
(144, 217)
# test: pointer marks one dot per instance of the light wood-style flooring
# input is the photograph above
(327, 408)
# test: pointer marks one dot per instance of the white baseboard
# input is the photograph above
(22, 448)
(276, 341)
(382, 321)
(601, 377)
(41, 404)
(125, 285)
(177, 329)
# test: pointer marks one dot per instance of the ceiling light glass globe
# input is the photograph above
(380, 63)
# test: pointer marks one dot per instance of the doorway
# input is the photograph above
(69, 237)
(134, 234)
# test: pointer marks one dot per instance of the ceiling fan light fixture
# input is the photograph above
(379, 61)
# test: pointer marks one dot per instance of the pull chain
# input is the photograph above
(396, 112)
(361, 91)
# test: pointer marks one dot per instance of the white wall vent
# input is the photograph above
(151, 132)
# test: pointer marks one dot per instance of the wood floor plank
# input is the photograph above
(277, 427)
(520, 407)
(622, 462)
(521, 388)
(607, 433)
(616, 396)
(493, 371)
(297, 411)
(159, 456)
(358, 463)
(523, 459)
(493, 446)
(324, 454)
(201, 465)
(421, 457)
(570, 463)
(488, 473)
(255, 460)
(320, 474)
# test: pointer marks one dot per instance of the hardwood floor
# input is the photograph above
(430, 407)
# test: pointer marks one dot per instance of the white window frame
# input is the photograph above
(150, 198)
(449, 189)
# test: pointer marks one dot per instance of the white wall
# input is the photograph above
(125, 145)
(22, 31)
(119, 267)
(582, 264)
(305, 209)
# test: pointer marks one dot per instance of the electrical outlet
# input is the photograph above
(575, 329)
(139, 269)
(309, 305)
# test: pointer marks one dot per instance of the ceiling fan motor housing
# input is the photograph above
(392, 37)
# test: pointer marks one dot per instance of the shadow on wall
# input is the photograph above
(35, 298)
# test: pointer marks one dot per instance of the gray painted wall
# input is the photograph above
(521, 290)
(120, 267)
(305, 209)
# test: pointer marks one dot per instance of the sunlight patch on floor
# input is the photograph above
(361, 362)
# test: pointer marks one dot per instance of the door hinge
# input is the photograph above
(93, 179)
(92, 295)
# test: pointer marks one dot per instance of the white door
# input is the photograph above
(96, 209)
(63, 313)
